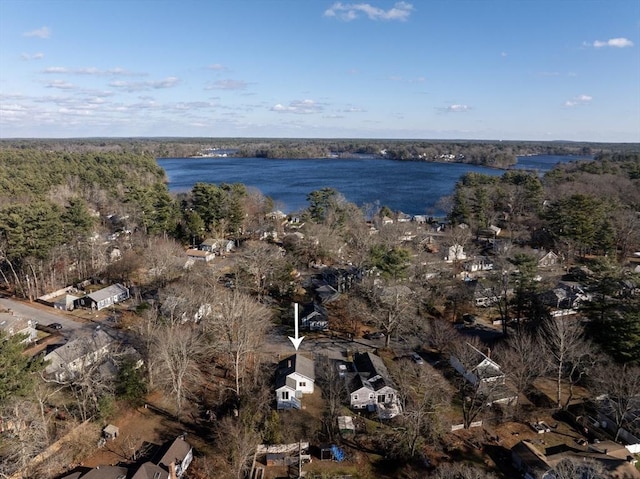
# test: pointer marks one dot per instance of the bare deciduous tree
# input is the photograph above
(259, 263)
(179, 348)
(164, 258)
(334, 391)
(442, 335)
(572, 468)
(238, 326)
(391, 307)
(521, 360)
(618, 387)
(460, 470)
(567, 352)
(238, 442)
(425, 398)
(28, 437)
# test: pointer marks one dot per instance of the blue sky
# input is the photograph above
(424, 69)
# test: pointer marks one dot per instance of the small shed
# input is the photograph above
(110, 432)
(345, 425)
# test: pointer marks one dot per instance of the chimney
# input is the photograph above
(489, 353)
(172, 470)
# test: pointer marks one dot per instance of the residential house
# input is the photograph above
(326, 293)
(613, 458)
(455, 253)
(11, 324)
(216, 246)
(177, 457)
(103, 298)
(629, 431)
(295, 376)
(529, 461)
(478, 263)
(548, 259)
(483, 296)
(171, 462)
(63, 299)
(194, 255)
(481, 371)
(276, 215)
(370, 386)
(149, 470)
(565, 298)
(403, 217)
(342, 279)
(75, 356)
(66, 302)
(106, 472)
(314, 317)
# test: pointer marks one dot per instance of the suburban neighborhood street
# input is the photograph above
(46, 315)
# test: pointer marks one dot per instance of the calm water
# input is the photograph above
(411, 187)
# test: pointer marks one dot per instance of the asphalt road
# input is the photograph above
(47, 315)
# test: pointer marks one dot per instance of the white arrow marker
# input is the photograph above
(296, 341)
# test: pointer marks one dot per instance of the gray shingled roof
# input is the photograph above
(176, 452)
(296, 363)
(108, 292)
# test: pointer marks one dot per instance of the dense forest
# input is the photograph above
(100, 209)
(487, 153)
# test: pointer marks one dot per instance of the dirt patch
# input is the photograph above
(548, 388)
(140, 430)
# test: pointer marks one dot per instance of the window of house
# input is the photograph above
(303, 384)
(355, 397)
(285, 395)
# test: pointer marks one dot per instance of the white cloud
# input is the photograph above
(227, 85)
(350, 11)
(117, 71)
(298, 106)
(504, 54)
(34, 56)
(613, 42)
(43, 32)
(456, 108)
(578, 100)
(168, 82)
(61, 84)
(217, 67)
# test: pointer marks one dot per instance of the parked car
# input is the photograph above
(55, 326)
(417, 358)
(376, 335)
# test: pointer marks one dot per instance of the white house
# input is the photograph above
(295, 376)
(483, 372)
(12, 324)
(371, 388)
(455, 253)
(199, 255)
(216, 246)
(314, 317)
(73, 357)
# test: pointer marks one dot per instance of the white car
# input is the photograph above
(417, 358)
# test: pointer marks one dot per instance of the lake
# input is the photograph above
(409, 186)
